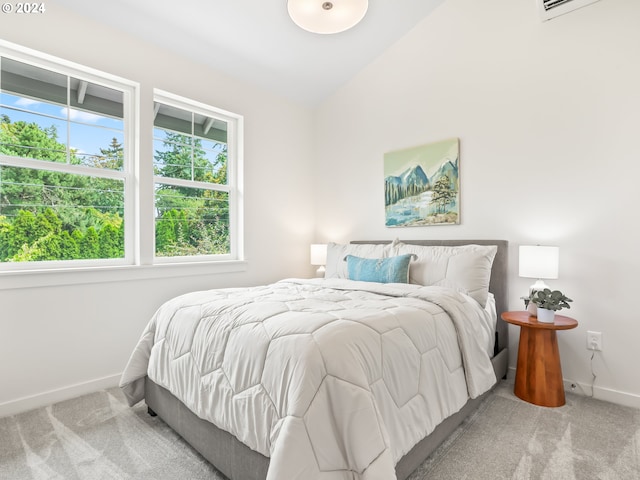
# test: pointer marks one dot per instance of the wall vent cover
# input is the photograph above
(552, 8)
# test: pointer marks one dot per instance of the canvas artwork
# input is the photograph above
(422, 186)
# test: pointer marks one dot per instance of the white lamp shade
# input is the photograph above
(327, 16)
(318, 254)
(537, 261)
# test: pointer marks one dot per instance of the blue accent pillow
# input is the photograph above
(381, 270)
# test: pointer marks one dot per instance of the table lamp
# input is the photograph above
(319, 257)
(539, 262)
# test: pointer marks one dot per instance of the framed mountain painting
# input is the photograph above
(422, 185)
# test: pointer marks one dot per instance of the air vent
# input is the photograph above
(552, 8)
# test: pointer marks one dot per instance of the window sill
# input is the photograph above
(76, 276)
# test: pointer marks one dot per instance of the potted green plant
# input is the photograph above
(548, 303)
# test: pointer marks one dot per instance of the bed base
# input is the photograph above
(238, 462)
(224, 451)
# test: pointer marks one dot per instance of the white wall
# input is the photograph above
(59, 341)
(548, 117)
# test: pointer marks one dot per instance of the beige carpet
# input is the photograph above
(98, 437)
(511, 439)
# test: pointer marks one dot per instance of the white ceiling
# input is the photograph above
(256, 41)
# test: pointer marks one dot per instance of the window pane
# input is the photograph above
(173, 156)
(90, 97)
(201, 156)
(96, 146)
(191, 221)
(34, 126)
(30, 135)
(212, 167)
(48, 215)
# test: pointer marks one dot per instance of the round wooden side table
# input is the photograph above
(538, 373)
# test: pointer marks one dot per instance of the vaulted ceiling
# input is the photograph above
(256, 41)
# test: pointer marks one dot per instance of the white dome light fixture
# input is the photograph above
(327, 16)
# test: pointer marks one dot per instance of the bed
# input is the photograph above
(333, 378)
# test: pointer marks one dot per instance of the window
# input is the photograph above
(66, 191)
(73, 193)
(195, 179)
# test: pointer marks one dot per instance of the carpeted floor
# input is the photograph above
(98, 437)
(511, 439)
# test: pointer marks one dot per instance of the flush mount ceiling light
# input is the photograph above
(323, 16)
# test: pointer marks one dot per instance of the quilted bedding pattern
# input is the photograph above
(331, 379)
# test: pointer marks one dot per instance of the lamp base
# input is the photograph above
(320, 271)
(539, 285)
(532, 308)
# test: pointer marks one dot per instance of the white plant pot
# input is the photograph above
(546, 316)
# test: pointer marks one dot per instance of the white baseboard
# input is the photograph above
(605, 394)
(24, 404)
(600, 393)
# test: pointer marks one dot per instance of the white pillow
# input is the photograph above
(336, 267)
(465, 268)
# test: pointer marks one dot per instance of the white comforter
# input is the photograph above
(331, 379)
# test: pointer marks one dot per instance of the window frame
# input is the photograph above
(131, 102)
(233, 186)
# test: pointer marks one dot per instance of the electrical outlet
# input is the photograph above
(594, 341)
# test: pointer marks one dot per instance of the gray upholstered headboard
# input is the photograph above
(498, 284)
